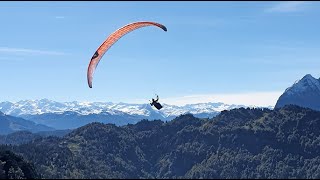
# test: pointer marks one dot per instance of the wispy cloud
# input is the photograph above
(59, 17)
(29, 51)
(287, 6)
(249, 99)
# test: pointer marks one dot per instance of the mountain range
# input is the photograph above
(70, 115)
(43, 106)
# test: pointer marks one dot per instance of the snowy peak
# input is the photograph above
(70, 115)
(305, 93)
(306, 84)
(310, 81)
(42, 106)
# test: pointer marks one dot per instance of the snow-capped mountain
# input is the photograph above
(65, 115)
(37, 107)
(305, 93)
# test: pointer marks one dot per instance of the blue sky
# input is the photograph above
(234, 52)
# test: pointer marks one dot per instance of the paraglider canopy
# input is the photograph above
(114, 37)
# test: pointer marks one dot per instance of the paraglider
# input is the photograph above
(155, 103)
(114, 37)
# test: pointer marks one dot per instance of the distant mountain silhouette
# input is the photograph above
(10, 124)
(304, 93)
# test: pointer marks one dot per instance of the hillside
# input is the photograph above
(22, 137)
(13, 166)
(238, 143)
(10, 124)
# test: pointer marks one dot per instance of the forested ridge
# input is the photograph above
(238, 143)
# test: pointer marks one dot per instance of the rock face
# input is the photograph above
(304, 93)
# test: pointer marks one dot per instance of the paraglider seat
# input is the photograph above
(157, 105)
